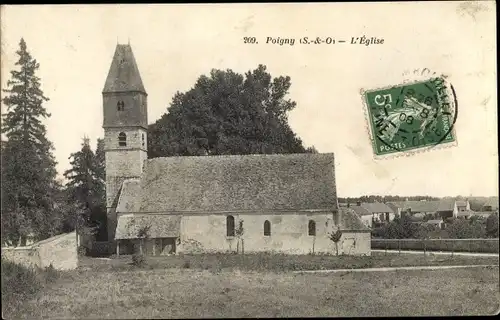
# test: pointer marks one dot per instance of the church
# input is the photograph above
(283, 203)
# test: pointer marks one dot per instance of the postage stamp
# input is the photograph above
(411, 117)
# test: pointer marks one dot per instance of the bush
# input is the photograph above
(51, 274)
(492, 225)
(139, 260)
(82, 250)
(399, 228)
(459, 245)
(466, 229)
(18, 282)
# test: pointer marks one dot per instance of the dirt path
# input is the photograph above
(396, 268)
(470, 254)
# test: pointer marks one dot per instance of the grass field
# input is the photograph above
(189, 293)
(279, 263)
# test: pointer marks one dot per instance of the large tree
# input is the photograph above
(28, 166)
(228, 113)
(85, 188)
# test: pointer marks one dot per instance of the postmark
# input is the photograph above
(411, 117)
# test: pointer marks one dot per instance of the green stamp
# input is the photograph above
(411, 116)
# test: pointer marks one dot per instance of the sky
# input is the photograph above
(175, 44)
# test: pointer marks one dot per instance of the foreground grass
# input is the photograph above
(20, 283)
(278, 262)
(187, 293)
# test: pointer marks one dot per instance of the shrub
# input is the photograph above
(82, 250)
(18, 282)
(466, 229)
(51, 274)
(139, 260)
(492, 225)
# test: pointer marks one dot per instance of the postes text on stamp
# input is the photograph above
(412, 116)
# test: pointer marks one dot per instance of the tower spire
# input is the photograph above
(123, 74)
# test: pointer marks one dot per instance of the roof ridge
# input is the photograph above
(245, 155)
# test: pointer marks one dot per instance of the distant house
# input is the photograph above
(491, 204)
(477, 214)
(437, 223)
(418, 208)
(365, 215)
(373, 212)
(381, 212)
(462, 206)
(444, 208)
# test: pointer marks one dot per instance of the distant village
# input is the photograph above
(431, 212)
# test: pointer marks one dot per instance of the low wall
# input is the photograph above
(26, 256)
(456, 245)
(60, 251)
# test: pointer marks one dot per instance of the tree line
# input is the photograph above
(223, 113)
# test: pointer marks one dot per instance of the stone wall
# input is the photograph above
(26, 256)
(289, 234)
(60, 251)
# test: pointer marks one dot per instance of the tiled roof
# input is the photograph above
(446, 205)
(461, 203)
(483, 214)
(160, 226)
(426, 206)
(493, 202)
(437, 221)
(360, 211)
(376, 207)
(128, 201)
(394, 206)
(417, 217)
(123, 74)
(351, 221)
(238, 183)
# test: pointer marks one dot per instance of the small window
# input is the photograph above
(230, 226)
(267, 228)
(143, 142)
(122, 139)
(120, 105)
(312, 228)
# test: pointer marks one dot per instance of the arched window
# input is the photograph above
(120, 105)
(312, 228)
(267, 228)
(122, 139)
(230, 226)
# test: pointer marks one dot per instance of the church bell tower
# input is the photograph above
(125, 123)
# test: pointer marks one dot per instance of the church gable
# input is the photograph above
(239, 183)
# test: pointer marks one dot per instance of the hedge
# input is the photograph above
(456, 245)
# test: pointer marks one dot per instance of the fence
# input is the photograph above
(451, 245)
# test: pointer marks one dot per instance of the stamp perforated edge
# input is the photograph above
(409, 153)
